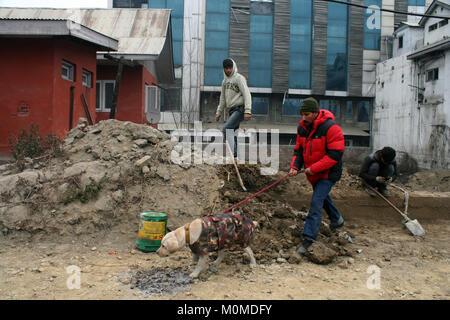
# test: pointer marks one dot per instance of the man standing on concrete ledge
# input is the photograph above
(235, 98)
(319, 149)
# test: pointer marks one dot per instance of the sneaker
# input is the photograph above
(305, 245)
(370, 192)
(337, 225)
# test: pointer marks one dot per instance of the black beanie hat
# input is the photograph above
(309, 105)
(227, 63)
(388, 154)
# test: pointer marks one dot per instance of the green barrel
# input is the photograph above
(152, 228)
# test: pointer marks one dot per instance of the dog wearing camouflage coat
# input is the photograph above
(208, 234)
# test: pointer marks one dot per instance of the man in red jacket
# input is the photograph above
(319, 149)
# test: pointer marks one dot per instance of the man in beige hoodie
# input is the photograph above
(235, 98)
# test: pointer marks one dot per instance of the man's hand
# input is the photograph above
(217, 117)
(308, 171)
(293, 172)
(388, 180)
(380, 179)
(247, 116)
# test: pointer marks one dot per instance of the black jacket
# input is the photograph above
(371, 158)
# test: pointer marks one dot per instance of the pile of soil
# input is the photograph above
(111, 172)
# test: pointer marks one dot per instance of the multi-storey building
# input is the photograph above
(288, 50)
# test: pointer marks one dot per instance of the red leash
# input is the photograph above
(266, 188)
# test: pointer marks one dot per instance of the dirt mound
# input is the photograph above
(111, 172)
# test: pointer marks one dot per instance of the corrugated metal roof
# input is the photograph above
(55, 27)
(139, 31)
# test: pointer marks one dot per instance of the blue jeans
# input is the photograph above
(320, 199)
(235, 119)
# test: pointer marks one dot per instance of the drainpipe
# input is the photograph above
(71, 107)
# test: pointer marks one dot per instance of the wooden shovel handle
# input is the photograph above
(384, 198)
(235, 165)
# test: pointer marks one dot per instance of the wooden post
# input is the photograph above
(112, 113)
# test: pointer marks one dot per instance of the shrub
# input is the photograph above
(28, 144)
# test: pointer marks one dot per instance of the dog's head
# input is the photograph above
(169, 245)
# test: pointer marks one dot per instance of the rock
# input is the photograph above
(142, 162)
(145, 169)
(320, 253)
(281, 260)
(93, 248)
(141, 142)
(95, 131)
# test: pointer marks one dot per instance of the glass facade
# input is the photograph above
(372, 25)
(177, 7)
(337, 47)
(216, 40)
(291, 107)
(260, 105)
(300, 44)
(416, 3)
(331, 105)
(260, 52)
(363, 111)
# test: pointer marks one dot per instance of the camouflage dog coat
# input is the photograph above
(226, 231)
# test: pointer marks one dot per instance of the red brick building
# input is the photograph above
(54, 71)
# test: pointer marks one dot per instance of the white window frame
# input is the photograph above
(86, 78)
(102, 107)
(70, 67)
(154, 101)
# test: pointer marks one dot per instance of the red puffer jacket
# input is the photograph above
(320, 148)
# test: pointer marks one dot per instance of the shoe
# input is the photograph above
(384, 192)
(337, 225)
(305, 245)
(370, 192)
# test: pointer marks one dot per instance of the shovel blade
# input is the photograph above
(415, 228)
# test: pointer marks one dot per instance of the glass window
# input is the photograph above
(104, 95)
(291, 107)
(260, 105)
(261, 37)
(216, 40)
(416, 3)
(109, 91)
(300, 44)
(68, 71)
(363, 111)
(349, 110)
(87, 78)
(337, 59)
(331, 105)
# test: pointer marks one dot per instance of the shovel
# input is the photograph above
(235, 166)
(413, 225)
